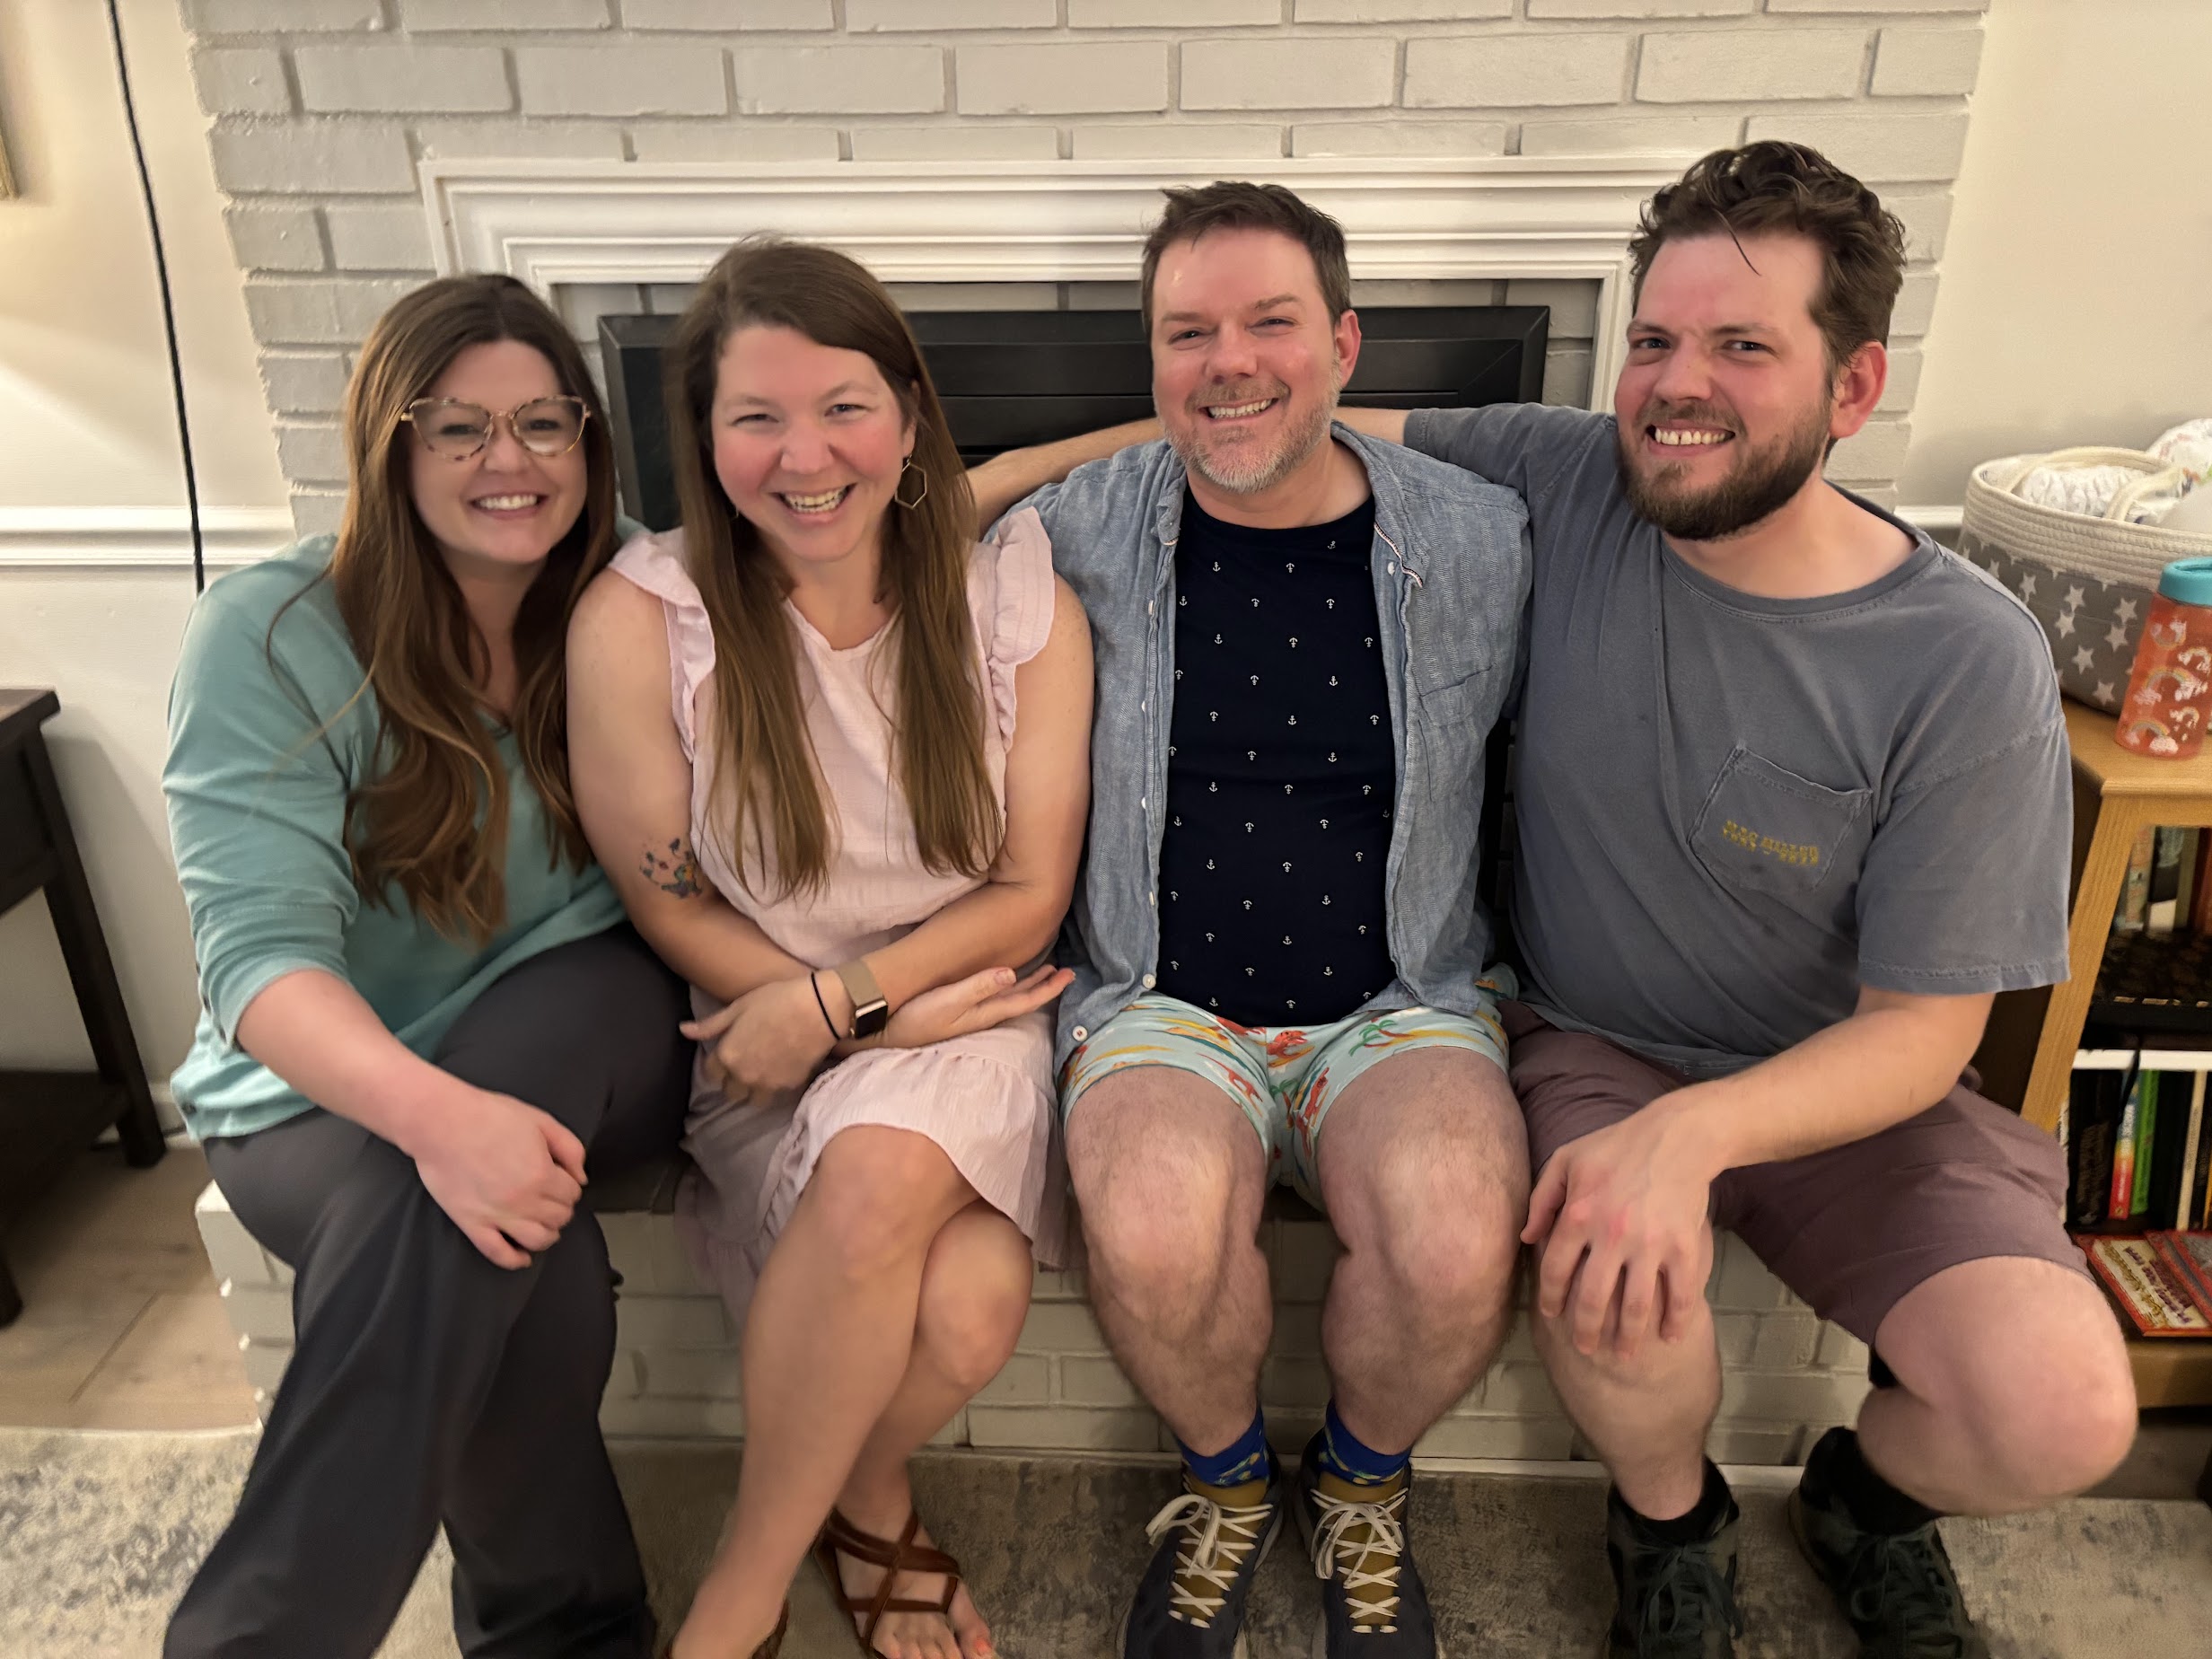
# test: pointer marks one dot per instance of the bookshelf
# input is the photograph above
(2116, 794)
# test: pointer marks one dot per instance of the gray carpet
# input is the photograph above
(99, 1533)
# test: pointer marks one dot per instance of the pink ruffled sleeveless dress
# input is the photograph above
(987, 1099)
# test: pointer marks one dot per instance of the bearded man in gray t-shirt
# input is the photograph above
(1792, 805)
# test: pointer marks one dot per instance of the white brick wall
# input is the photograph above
(320, 109)
(444, 79)
(1786, 1376)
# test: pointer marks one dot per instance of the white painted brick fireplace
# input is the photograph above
(1009, 152)
(336, 123)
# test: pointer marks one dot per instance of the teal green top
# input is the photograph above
(257, 805)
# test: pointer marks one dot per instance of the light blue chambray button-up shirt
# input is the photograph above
(1451, 564)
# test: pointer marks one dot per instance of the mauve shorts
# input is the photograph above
(1851, 1229)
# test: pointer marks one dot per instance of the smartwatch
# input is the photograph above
(870, 1013)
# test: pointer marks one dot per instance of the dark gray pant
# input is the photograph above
(427, 1385)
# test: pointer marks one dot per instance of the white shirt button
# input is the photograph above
(1143, 802)
(1392, 568)
(1079, 1033)
(1153, 900)
(1149, 606)
(1144, 708)
(1148, 982)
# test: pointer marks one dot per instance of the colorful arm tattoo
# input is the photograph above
(673, 869)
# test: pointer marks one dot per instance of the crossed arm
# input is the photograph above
(1620, 1216)
(954, 972)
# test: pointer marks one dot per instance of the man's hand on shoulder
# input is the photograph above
(1620, 1217)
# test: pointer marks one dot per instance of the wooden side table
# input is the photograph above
(47, 1118)
(2116, 795)
(2121, 793)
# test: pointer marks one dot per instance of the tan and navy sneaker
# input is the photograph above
(1373, 1604)
(1191, 1601)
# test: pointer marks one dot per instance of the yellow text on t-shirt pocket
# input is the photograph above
(1764, 830)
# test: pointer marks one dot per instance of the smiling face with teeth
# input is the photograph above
(1246, 360)
(809, 443)
(499, 512)
(1728, 400)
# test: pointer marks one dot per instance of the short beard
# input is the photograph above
(1256, 474)
(1759, 484)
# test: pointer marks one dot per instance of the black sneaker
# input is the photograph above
(1896, 1588)
(1373, 1605)
(1676, 1601)
(1191, 1601)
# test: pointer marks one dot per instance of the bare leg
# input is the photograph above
(1648, 1416)
(827, 1343)
(1170, 1176)
(2013, 1389)
(975, 1291)
(1424, 1165)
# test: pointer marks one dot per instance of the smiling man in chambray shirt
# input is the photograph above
(1302, 637)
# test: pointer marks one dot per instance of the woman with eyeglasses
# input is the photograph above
(424, 1026)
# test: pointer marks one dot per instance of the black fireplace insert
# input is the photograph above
(1014, 378)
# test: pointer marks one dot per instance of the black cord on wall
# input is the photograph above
(169, 308)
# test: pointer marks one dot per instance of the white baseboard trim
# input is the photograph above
(137, 537)
(1934, 520)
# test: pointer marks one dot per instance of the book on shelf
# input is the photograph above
(2189, 1255)
(2139, 1152)
(2135, 887)
(2167, 888)
(2200, 893)
(2161, 909)
(2146, 1286)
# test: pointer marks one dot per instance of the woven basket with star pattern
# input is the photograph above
(2089, 581)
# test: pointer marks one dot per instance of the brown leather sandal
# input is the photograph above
(767, 1650)
(839, 1536)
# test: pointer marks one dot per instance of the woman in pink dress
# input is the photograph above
(835, 756)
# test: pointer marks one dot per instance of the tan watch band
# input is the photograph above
(871, 1012)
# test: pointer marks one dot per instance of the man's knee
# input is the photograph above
(1438, 1199)
(1450, 1257)
(1686, 1363)
(1163, 1197)
(2049, 1427)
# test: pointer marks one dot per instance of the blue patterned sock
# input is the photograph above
(1345, 1456)
(1241, 1462)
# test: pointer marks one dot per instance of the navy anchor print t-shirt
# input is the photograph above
(1281, 771)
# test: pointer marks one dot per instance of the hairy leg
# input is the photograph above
(1424, 1166)
(828, 1341)
(2013, 1389)
(1170, 1177)
(1648, 1416)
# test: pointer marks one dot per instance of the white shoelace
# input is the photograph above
(1215, 1543)
(1385, 1537)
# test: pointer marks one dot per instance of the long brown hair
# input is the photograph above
(432, 818)
(764, 780)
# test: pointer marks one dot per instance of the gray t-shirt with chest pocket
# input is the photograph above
(1734, 811)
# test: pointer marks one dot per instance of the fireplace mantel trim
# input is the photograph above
(552, 222)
